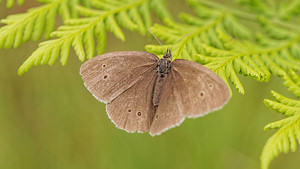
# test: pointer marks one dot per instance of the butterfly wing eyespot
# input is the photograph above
(210, 85)
(139, 113)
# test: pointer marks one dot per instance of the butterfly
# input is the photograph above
(145, 93)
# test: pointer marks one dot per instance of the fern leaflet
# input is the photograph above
(285, 139)
(30, 25)
(258, 6)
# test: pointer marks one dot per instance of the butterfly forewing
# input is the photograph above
(200, 89)
(132, 110)
(108, 75)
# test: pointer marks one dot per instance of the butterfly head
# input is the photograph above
(168, 55)
(164, 64)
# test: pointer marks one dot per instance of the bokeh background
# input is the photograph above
(48, 120)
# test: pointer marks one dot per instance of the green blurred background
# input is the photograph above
(48, 120)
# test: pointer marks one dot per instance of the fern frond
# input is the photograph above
(20, 28)
(215, 43)
(225, 54)
(82, 32)
(285, 139)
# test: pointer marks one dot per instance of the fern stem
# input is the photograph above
(226, 63)
(245, 15)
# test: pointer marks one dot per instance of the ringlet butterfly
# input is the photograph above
(145, 93)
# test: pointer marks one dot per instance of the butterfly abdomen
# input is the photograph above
(163, 68)
(158, 87)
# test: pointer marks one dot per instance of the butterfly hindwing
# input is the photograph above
(190, 90)
(168, 113)
(201, 90)
(132, 110)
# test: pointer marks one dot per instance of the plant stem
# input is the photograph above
(246, 15)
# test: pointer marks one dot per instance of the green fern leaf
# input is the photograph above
(285, 139)
(235, 28)
(145, 12)
(191, 20)
(201, 10)
(258, 6)
(274, 31)
(134, 14)
(100, 34)
(78, 47)
(114, 28)
(65, 46)
(160, 10)
(292, 82)
(282, 108)
(89, 43)
(30, 25)
(82, 32)
(126, 21)
(219, 41)
(55, 53)
(220, 52)
(289, 9)
(266, 41)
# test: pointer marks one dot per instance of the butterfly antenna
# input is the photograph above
(155, 38)
(180, 39)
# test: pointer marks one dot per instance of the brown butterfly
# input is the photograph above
(145, 93)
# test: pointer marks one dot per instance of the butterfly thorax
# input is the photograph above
(163, 68)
